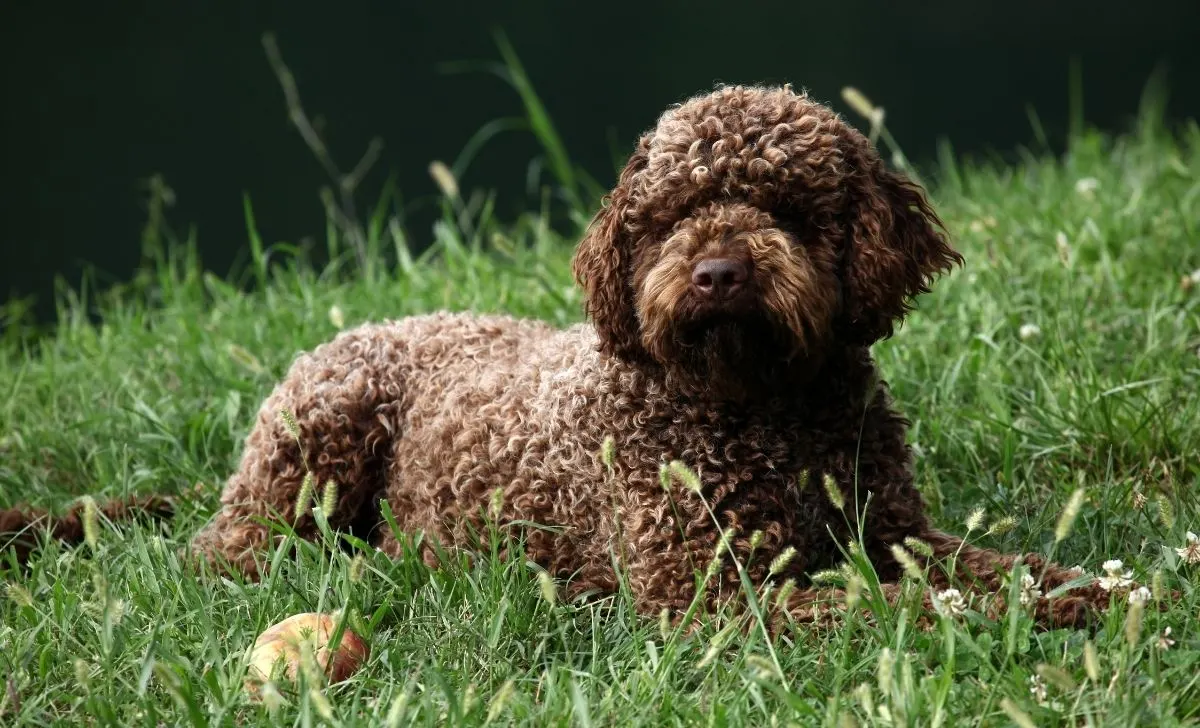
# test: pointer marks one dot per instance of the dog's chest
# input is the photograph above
(733, 451)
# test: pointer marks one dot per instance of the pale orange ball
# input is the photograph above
(277, 650)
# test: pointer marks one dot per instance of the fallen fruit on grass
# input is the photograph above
(278, 650)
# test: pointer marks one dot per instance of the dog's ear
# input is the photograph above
(895, 248)
(603, 265)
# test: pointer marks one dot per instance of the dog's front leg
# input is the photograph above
(331, 421)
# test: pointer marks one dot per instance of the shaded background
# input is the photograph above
(98, 97)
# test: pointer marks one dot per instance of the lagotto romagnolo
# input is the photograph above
(752, 250)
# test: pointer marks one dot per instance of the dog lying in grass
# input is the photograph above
(719, 413)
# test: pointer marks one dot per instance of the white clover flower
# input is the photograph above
(1029, 331)
(1037, 688)
(949, 603)
(1164, 640)
(1190, 553)
(1113, 577)
(1141, 595)
(1029, 591)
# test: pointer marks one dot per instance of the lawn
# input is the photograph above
(1065, 356)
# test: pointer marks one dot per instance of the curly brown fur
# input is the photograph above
(753, 249)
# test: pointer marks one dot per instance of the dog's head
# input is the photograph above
(751, 230)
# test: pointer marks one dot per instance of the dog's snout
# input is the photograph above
(720, 278)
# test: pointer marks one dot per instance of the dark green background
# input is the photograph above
(99, 96)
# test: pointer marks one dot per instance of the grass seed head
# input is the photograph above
(496, 504)
(608, 452)
(1086, 187)
(911, 568)
(685, 475)
(861, 105)
(780, 562)
(1133, 622)
(290, 424)
(715, 646)
(1063, 246)
(833, 492)
(397, 710)
(1166, 511)
(546, 586)
(245, 358)
(321, 704)
(1015, 714)
(83, 672)
(785, 594)
(357, 565)
(866, 699)
(270, 696)
(713, 568)
(444, 178)
(91, 523)
(308, 657)
(854, 588)
(19, 595)
(763, 668)
(468, 700)
(1057, 677)
(858, 101)
(1091, 661)
(1066, 521)
(885, 670)
(500, 700)
(828, 577)
(329, 498)
(337, 317)
(917, 546)
(305, 497)
(1002, 526)
(723, 541)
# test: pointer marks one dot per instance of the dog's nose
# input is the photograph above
(719, 277)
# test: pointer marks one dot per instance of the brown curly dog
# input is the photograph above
(753, 249)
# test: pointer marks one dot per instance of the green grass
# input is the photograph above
(152, 387)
